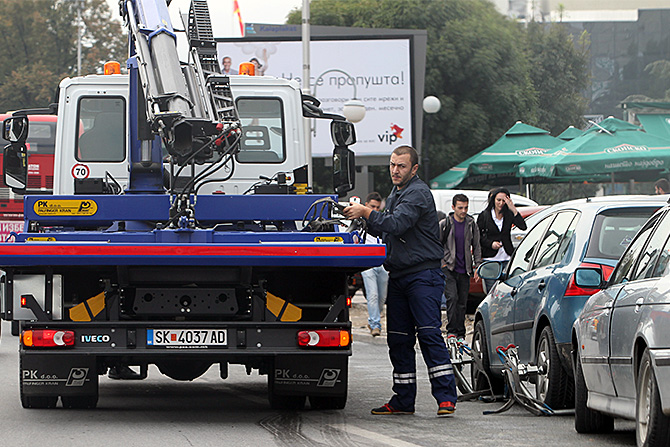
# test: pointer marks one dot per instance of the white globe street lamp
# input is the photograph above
(354, 110)
(431, 105)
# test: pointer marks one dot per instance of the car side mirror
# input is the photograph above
(15, 167)
(491, 270)
(591, 278)
(15, 129)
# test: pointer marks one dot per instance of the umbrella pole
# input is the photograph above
(520, 185)
(570, 190)
(612, 183)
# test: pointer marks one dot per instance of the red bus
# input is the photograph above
(40, 144)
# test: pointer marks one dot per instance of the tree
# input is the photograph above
(558, 70)
(479, 63)
(38, 47)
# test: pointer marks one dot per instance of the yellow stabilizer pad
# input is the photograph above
(80, 312)
(276, 304)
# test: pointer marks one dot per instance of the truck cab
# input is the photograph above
(93, 128)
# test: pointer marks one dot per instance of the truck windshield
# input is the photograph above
(262, 130)
(101, 129)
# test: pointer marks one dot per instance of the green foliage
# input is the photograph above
(559, 74)
(39, 47)
(658, 86)
(487, 70)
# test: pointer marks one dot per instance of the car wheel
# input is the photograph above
(480, 351)
(552, 385)
(587, 420)
(652, 426)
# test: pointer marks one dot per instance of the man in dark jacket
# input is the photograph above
(409, 227)
(459, 236)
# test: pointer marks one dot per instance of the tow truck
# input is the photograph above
(169, 262)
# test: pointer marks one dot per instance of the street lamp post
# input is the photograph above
(354, 109)
(431, 105)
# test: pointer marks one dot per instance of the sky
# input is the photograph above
(253, 11)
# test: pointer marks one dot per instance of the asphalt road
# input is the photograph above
(211, 412)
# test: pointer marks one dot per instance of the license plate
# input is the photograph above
(187, 337)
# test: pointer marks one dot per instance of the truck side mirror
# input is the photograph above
(15, 129)
(344, 170)
(15, 167)
(342, 133)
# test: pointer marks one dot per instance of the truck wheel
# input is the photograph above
(587, 420)
(652, 426)
(328, 402)
(481, 351)
(552, 384)
(79, 402)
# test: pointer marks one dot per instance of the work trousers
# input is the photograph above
(456, 290)
(376, 283)
(413, 310)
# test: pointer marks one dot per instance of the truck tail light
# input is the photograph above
(47, 338)
(348, 301)
(324, 338)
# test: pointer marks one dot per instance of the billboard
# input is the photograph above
(375, 71)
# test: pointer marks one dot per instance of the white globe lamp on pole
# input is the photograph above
(354, 110)
(431, 105)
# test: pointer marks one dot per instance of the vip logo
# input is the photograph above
(77, 377)
(392, 136)
(328, 377)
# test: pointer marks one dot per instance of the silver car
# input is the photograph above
(621, 340)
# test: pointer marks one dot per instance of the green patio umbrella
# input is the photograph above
(656, 124)
(497, 164)
(570, 134)
(613, 147)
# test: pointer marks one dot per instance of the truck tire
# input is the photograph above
(184, 370)
(328, 402)
(586, 419)
(79, 402)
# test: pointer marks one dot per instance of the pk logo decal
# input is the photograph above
(77, 377)
(328, 377)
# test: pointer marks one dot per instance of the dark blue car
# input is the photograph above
(536, 300)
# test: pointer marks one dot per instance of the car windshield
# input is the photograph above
(614, 230)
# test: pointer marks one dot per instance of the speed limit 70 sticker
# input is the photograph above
(80, 171)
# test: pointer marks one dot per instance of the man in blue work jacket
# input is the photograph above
(409, 228)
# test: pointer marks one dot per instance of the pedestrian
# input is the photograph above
(459, 235)
(409, 228)
(662, 186)
(375, 280)
(495, 226)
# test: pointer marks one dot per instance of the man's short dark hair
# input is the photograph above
(413, 156)
(374, 195)
(459, 198)
(663, 184)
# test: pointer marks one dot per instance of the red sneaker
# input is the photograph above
(387, 409)
(446, 409)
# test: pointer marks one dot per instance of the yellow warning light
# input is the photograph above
(247, 68)
(112, 67)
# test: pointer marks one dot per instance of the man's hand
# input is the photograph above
(496, 245)
(477, 278)
(356, 210)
